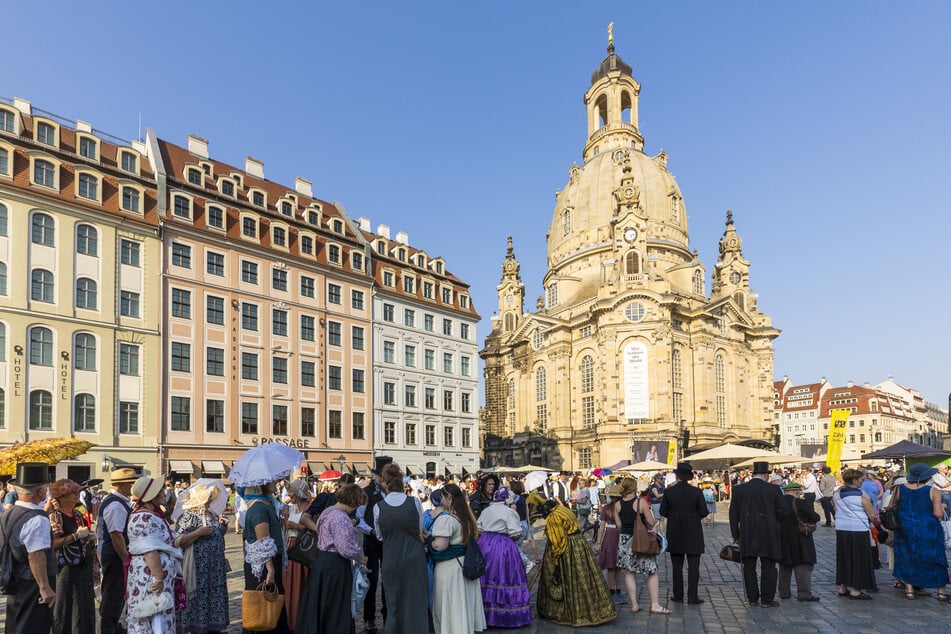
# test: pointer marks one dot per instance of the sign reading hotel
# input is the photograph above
(636, 393)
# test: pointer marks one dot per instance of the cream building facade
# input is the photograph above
(626, 348)
(80, 300)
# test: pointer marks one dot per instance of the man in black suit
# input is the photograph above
(755, 510)
(683, 506)
(373, 547)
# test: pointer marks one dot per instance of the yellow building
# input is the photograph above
(627, 353)
(79, 291)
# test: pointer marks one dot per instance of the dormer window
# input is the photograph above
(216, 217)
(307, 245)
(195, 176)
(257, 199)
(464, 301)
(206, 168)
(401, 254)
(181, 206)
(88, 148)
(409, 284)
(428, 290)
(333, 253)
(421, 261)
(46, 133)
(88, 187)
(249, 227)
(337, 226)
(227, 188)
(7, 121)
(313, 218)
(129, 162)
(447, 296)
(356, 261)
(287, 209)
(381, 247)
(439, 268)
(44, 173)
(130, 198)
(388, 278)
(279, 236)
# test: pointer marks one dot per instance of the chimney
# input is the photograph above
(364, 224)
(384, 231)
(850, 385)
(254, 167)
(198, 146)
(402, 238)
(82, 126)
(23, 106)
(303, 187)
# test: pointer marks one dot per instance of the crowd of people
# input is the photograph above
(153, 552)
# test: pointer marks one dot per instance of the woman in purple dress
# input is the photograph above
(505, 592)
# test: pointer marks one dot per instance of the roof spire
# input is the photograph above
(610, 35)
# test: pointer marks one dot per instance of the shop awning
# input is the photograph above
(212, 467)
(362, 469)
(181, 466)
(317, 467)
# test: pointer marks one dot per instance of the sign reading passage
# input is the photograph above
(636, 393)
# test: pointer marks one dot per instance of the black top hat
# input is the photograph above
(684, 471)
(92, 482)
(31, 474)
(379, 462)
(761, 467)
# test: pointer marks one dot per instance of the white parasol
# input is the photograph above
(535, 479)
(265, 463)
(217, 506)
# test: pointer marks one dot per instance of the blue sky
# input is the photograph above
(824, 126)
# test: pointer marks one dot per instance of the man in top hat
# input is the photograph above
(373, 547)
(27, 529)
(684, 507)
(756, 508)
(113, 548)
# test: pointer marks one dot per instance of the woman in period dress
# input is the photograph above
(505, 592)
(295, 576)
(74, 611)
(606, 545)
(457, 601)
(398, 521)
(920, 558)
(571, 589)
(325, 600)
(154, 562)
(264, 553)
(201, 536)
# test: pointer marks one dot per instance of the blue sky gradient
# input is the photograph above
(824, 126)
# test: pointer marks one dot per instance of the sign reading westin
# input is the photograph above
(636, 392)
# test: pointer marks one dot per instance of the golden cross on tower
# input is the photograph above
(611, 33)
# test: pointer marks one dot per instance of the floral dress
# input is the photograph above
(207, 607)
(144, 525)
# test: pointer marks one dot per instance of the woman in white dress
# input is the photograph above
(457, 601)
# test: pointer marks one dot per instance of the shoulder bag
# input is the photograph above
(646, 541)
(889, 516)
(304, 550)
(261, 609)
(473, 564)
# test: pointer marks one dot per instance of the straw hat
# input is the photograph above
(123, 474)
(146, 489)
(200, 496)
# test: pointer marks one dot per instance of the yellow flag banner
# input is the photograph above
(837, 425)
(671, 451)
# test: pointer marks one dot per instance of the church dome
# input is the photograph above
(611, 63)
(586, 209)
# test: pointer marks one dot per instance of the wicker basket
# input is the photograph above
(261, 608)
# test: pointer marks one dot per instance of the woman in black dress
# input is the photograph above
(74, 611)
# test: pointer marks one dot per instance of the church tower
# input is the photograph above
(626, 354)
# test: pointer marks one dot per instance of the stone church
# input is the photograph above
(627, 350)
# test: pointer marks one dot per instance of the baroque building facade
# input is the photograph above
(425, 379)
(626, 349)
(80, 291)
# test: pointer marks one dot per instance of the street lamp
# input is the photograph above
(106, 463)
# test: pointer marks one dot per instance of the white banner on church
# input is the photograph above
(636, 392)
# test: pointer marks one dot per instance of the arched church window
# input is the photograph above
(587, 374)
(698, 282)
(632, 263)
(676, 365)
(541, 384)
(675, 208)
(553, 295)
(602, 105)
(511, 395)
(509, 322)
(537, 339)
(740, 300)
(626, 107)
(719, 371)
(566, 221)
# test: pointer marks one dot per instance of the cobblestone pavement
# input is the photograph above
(725, 609)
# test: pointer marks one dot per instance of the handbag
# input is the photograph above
(361, 585)
(889, 516)
(646, 541)
(473, 564)
(261, 608)
(806, 528)
(730, 552)
(304, 550)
